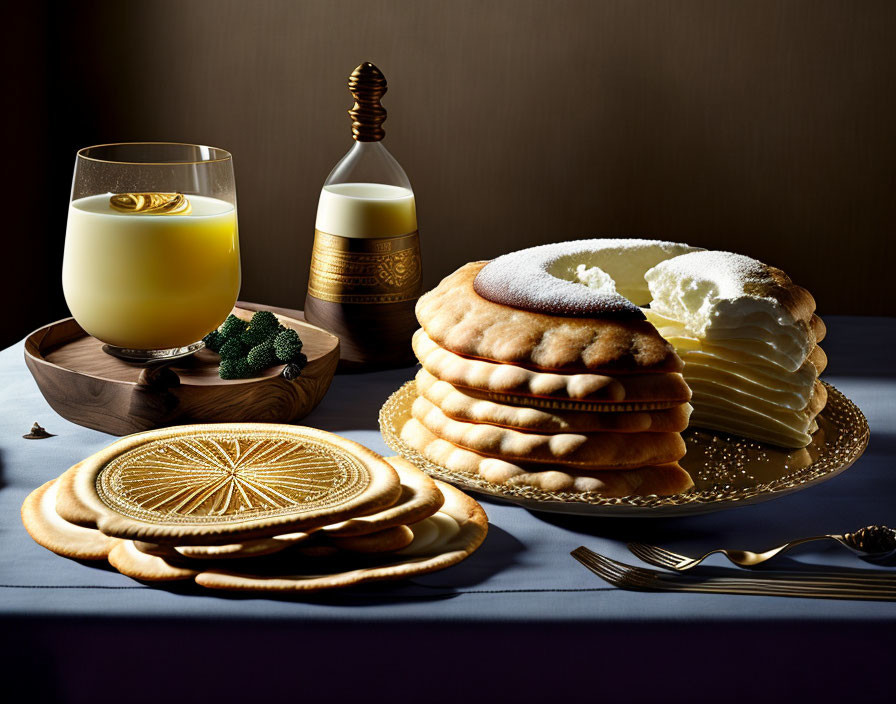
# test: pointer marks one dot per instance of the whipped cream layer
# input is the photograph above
(743, 331)
(724, 299)
(785, 347)
(723, 413)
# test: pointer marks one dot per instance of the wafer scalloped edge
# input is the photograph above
(461, 405)
(592, 451)
(613, 393)
(662, 480)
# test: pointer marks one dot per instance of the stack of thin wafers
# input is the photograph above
(253, 507)
(501, 399)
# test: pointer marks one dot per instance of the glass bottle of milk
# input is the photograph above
(365, 266)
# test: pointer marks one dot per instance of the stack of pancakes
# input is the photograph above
(748, 337)
(554, 401)
(253, 507)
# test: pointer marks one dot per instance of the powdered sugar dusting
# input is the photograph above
(547, 278)
(730, 273)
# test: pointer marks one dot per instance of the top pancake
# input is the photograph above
(460, 320)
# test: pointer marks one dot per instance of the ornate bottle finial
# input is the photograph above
(368, 85)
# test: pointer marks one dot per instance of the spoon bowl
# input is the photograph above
(875, 544)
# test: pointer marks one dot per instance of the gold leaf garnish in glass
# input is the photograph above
(154, 203)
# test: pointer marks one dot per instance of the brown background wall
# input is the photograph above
(764, 127)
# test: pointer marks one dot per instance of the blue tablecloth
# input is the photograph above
(519, 618)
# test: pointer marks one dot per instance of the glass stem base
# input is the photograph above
(149, 356)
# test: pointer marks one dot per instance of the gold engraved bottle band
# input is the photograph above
(365, 270)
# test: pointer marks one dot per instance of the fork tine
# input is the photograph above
(581, 555)
(598, 562)
(643, 552)
(592, 559)
(624, 573)
(647, 554)
(616, 573)
(662, 552)
(659, 556)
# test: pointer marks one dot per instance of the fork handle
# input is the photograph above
(688, 563)
(774, 552)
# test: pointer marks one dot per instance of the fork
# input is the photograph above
(838, 585)
(873, 543)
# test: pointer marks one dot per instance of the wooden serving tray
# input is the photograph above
(91, 388)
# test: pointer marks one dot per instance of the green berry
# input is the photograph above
(265, 320)
(232, 349)
(235, 368)
(261, 357)
(253, 336)
(233, 326)
(214, 340)
(287, 345)
(263, 326)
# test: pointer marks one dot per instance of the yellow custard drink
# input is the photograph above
(148, 280)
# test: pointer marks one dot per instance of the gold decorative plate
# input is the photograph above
(728, 471)
(205, 484)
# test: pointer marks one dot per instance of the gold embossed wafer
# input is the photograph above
(439, 541)
(131, 562)
(211, 484)
(231, 551)
(386, 540)
(58, 535)
(419, 499)
(458, 538)
(67, 505)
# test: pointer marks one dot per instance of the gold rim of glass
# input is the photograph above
(225, 155)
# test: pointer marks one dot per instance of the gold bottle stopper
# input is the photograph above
(368, 85)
